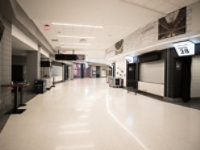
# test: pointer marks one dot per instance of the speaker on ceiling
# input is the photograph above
(1, 29)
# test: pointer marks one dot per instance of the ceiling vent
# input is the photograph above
(54, 40)
(83, 40)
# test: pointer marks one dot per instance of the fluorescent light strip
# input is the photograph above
(77, 25)
(84, 116)
(74, 47)
(76, 37)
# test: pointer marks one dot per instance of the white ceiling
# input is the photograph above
(19, 45)
(118, 17)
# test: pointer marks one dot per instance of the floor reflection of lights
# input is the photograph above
(108, 100)
(75, 125)
(74, 132)
(84, 116)
(83, 110)
(73, 147)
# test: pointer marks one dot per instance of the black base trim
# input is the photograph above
(150, 95)
(16, 111)
(193, 103)
(22, 105)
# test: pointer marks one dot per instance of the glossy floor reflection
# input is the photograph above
(86, 114)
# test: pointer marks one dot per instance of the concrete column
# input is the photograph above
(6, 101)
(33, 66)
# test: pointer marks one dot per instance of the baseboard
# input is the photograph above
(172, 99)
(195, 98)
(150, 95)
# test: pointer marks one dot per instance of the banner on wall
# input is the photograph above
(173, 24)
(119, 47)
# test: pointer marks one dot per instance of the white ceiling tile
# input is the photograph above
(118, 17)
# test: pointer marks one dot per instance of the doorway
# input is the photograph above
(183, 77)
(131, 76)
(17, 73)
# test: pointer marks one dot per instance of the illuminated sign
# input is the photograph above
(129, 59)
(185, 48)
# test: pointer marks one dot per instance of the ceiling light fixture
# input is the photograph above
(79, 44)
(76, 37)
(77, 25)
(76, 47)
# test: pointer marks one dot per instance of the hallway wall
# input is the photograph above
(145, 39)
(120, 70)
(5, 67)
(195, 77)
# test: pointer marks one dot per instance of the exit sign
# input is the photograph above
(185, 48)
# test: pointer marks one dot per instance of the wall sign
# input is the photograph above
(185, 48)
(129, 59)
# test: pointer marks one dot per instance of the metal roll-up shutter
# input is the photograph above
(152, 72)
(195, 77)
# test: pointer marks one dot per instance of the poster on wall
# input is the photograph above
(173, 24)
(119, 47)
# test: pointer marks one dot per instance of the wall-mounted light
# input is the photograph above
(129, 59)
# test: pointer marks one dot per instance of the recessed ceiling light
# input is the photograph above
(77, 25)
(76, 37)
(83, 40)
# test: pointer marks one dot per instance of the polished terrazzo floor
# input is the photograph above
(86, 114)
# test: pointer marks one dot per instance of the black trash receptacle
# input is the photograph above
(40, 86)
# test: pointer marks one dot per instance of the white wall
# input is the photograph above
(154, 88)
(103, 72)
(17, 33)
(194, 18)
(42, 51)
(120, 70)
(145, 39)
(195, 77)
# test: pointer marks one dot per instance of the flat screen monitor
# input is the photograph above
(69, 57)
